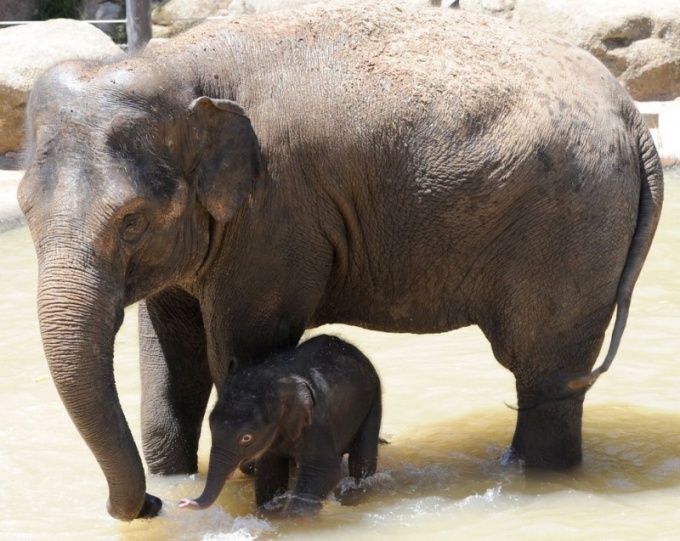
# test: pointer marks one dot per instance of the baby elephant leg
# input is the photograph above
(271, 478)
(363, 453)
(316, 478)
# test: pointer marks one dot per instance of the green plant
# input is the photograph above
(57, 9)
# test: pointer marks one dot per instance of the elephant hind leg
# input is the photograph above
(549, 435)
(548, 429)
(363, 452)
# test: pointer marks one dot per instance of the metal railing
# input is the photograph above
(138, 23)
(89, 21)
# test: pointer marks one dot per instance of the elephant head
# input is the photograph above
(123, 182)
(250, 417)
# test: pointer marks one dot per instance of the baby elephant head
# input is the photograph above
(252, 416)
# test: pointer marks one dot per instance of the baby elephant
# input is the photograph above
(310, 406)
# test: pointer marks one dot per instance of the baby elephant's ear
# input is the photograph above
(297, 402)
(227, 160)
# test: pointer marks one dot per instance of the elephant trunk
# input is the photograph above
(80, 311)
(222, 466)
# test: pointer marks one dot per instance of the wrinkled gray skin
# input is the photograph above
(406, 171)
(310, 406)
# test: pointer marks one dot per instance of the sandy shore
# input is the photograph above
(10, 215)
(663, 119)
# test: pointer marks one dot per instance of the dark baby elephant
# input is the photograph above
(403, 169)
(311, 405)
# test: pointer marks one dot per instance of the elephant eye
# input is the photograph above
(132, 227)
(246, 439)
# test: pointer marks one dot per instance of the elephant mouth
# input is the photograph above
(230, 475)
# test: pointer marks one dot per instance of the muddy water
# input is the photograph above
(441, 477)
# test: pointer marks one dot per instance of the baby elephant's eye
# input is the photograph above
(133, 226)
(246, 439)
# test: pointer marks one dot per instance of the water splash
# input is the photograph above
(215, 524)
(243, 529)
(490, 498)
(381, 481)
(509, 458)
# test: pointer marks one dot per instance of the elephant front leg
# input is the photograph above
(316, 479)
(176, 381)
(271, 479)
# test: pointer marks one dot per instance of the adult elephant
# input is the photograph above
(397, 169)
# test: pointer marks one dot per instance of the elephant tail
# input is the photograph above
(649, 212)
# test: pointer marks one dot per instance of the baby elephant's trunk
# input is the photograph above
(219, 470)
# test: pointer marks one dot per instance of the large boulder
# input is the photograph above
(499, 8)
(638, 41)
(175, 15)
(28, 50)
(172, 16)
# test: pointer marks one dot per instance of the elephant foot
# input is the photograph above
(549, 435)
(273, 507)
(301, 506)
(151, 508)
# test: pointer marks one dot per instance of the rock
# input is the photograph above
(176, 15)
(638, 41)
(105, 10)
(27, 51)
(18, 10)
(499, 8)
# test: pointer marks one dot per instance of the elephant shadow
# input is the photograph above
(627, 449)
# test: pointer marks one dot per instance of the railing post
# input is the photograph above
(138, 23)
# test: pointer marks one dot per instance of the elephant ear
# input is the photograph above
(228, 159)
(297, 401)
